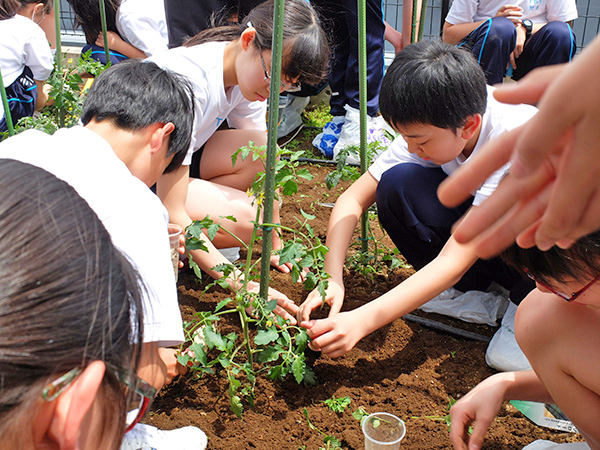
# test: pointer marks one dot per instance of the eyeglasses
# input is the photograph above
(284, 87)
(565, 297)
(139, 393)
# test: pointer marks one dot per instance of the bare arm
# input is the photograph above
(119, 45)
(42, 95)
(338, 334)
(481, 405)
(342, 223)
(172, 189)
(454, 33)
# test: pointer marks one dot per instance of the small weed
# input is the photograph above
(317, 116)
(446, 418)
(360, 414)
(337, 405)
(452, 355)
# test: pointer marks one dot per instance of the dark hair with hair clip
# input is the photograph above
(432, 83)
(305, 55)
(581, 260)
(67, 297)
(136, 94)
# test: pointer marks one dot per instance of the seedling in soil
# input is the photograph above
(330, 441)
(360, 414)
(446, 418)
(337, 405)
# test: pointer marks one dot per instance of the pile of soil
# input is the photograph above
(402, 368)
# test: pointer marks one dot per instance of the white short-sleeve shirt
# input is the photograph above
(133, 216)
(23, 43)
(497, 119)
(202, 65)
(538, 11)
(143, 24)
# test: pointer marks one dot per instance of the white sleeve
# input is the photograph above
(462, 11)
(144, 29)
(248, 115)
(396, 153)
(561, 10)
(38, 56)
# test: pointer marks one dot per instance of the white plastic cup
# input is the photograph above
(174, 233)
(383, 431)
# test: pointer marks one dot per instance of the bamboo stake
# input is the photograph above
(269, 187)
(422, 19)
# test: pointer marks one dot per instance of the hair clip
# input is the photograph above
(249, 24)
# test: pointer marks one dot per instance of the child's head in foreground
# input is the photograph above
(570, 273)
(133, 95)
(434, 87)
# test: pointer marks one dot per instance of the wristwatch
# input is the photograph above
(528, 25)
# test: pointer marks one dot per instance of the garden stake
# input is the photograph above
(414, 24)
(61, 110)
(422, 19)
(269, 189)
(362, 85)
(7, 115)
(104, 32)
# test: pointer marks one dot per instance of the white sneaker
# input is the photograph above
(147, 437)
(291, 116)
(350, 133)
(231, 253)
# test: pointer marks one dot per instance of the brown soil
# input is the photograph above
(402, 368)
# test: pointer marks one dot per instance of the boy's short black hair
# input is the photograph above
(580, 261)
(136, 94)
(432, 83)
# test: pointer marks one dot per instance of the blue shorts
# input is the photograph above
(22, 96)
(98, 54)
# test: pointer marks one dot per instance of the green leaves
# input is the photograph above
(337, 405)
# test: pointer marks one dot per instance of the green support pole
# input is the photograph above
(58, 56)
(7, 116)
(422, 19)
(414, 23)
(362, 86)
(104, 31)
(265, 263)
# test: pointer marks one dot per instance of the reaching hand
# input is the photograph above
(337, 334)
(285, 308)
(287, 268)
(555, 164)
(113, 39)
(480, 406)
(334, 297)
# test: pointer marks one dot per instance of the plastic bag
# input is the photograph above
(503, 352)
(472, 306)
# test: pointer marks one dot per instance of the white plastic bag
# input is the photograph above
(503, 352)
(472, 306)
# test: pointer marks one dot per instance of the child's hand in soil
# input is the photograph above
(287, 268)
(334, 297)
(336, 335)
(480, 406)
(285, 308)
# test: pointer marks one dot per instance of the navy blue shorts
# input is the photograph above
(22, 96)
(98, 54)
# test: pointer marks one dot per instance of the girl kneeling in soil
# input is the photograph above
(228, 67)
(26, 60)
(558, 328)
(70, 318)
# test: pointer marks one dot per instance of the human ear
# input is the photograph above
(471, 126)
(159, 135)
(247, 37)
(73, 405)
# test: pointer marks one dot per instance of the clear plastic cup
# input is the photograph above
(383, 431)
(174, 234)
